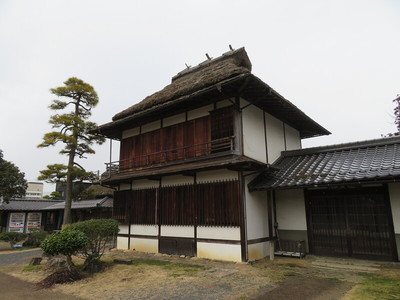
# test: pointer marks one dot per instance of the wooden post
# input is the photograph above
(272, 250)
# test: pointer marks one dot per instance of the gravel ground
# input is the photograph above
(19, 257)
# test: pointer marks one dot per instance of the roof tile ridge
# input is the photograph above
(344, 146)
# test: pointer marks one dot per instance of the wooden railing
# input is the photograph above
(171, 156)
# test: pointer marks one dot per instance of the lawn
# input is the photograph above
(384, 285)
(163, 277)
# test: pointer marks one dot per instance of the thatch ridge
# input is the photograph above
(208, 73)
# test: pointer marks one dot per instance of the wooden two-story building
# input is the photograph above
(187, 154)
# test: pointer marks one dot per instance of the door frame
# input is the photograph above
(363, 190)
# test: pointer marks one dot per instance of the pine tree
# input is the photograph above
(72, 129)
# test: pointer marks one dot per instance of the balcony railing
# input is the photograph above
(172, 156)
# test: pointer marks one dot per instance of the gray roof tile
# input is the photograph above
(360, 161)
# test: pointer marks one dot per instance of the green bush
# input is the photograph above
(99, 232)
(65, 242)
(12, 237)
(35, 237)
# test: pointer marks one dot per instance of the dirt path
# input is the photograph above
(16, 289)
(301, 288)
(18, 257)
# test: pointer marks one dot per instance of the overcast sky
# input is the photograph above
(338, 61)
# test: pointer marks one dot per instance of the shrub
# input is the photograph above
(35, 237)
(99, 232)
(12, 237)
(65, 242)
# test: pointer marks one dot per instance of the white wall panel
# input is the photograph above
(200, 112)
(290, 209)
(224, 103)
(253, 133)
(215, 175)
(292, 136)
(177, 231)
(123, 229)
(124, 186)
(130, 132)
(226, 252)
(394, 193)
(177, 180)
(144, 184)
(256, 212)
(122, 243)
(275, 137)
(176, 119)
(151, 126)
(144, 245)
(258, 251)
(144, 229)
(219, 233)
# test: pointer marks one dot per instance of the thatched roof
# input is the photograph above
(223, 77)
(207, 73)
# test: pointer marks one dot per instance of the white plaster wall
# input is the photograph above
(177, 231)
(144, 229)
(256, 212)
(215, 175)
(253, 133)
(275, 137)
(394, 193)
(200, 112)
(293, 140)
(290, 210)
(122, 243)
(176, 119)
(124, 186)
(219, 233)
(176, 179)
(144, 184)
(226, 252)
(123, 229)
(258, 251)
(225, 103)
(151, 126)
(144, 245)
(130, 132)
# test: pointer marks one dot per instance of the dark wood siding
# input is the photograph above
(120, 206)
(185, 140)
(207, 204)
(177, 205)
(352, 222)
(135, 207)
(218, 204)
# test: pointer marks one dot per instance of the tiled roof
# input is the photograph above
(85, 204)
(375, 160)
(46, 204)
(28, 204)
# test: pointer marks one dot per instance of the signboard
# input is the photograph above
(17, 222)
(34, 220)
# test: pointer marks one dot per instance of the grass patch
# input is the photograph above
(333, 278)
(150, 262)
(32, 268)
(176, 269)
(378, 286)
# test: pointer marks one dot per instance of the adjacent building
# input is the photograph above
(34, 190)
